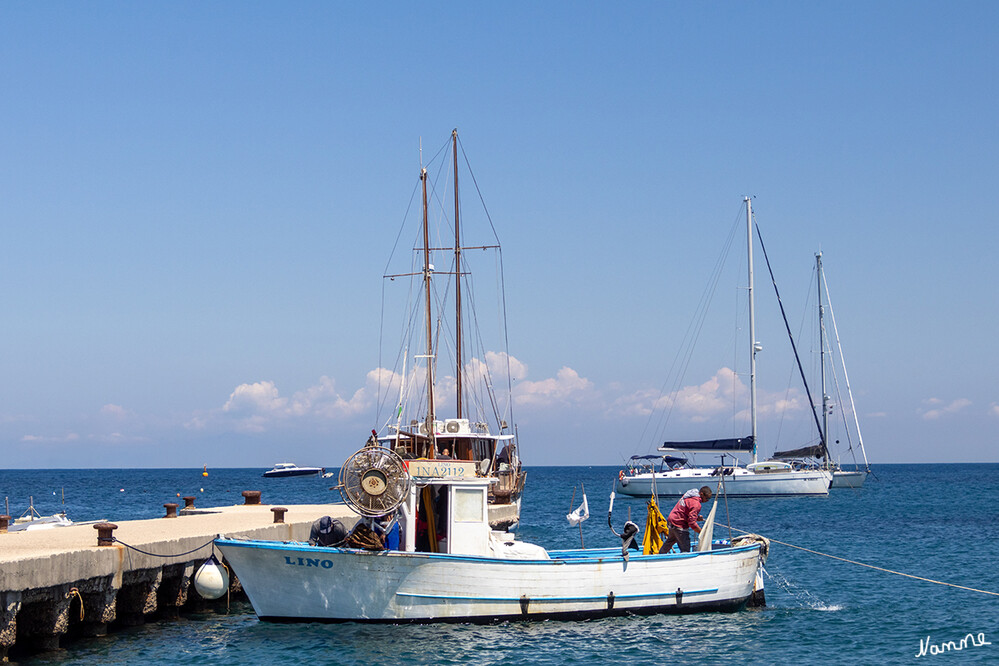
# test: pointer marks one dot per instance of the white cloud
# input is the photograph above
(496, 370)
(254, 398)
(499, 368)
(565, 387)
(500, 362)
(936, 408)
(994, 409)
(113, 411)
(713, 397)
(258, 406)
(118, 438)
(709, 400)
(42, 439)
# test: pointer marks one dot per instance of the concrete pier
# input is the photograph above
(59, 582)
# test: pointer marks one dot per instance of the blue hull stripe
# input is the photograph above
(535, 600)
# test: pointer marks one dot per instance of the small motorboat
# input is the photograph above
(291, 469)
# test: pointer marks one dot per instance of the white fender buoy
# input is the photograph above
(211, 580)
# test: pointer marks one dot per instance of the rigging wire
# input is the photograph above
(794, 348)
(438, 168)
(502, 282)
(846, 378)
(808, 439)
(684, 353)
(408, 321)
(381, 322)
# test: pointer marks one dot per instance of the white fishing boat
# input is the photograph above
(822, 455)
(471, 573)
(756, 479)
(476, 430)
(286, 469)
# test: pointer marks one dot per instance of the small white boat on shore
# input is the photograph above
(469, 573)
(31, 520)
(37, 522)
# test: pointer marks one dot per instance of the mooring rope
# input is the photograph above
(75, 592)
(877, 568)
(139, 550)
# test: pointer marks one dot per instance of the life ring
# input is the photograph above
(620, 475)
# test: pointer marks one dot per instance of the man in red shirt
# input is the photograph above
(684, 517)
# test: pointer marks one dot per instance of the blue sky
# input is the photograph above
(197, 201)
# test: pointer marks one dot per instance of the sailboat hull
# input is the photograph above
(849, 479)
(743, 483)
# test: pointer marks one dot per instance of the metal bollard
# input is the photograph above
(4, 522)
(189, 502)
(251, 497)
(171, 509)
(279, 512)
(104, 533)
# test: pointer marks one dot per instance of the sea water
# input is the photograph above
(934, 521)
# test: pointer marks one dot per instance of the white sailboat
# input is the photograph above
(756, 479)
(477, 431)
(841, 477)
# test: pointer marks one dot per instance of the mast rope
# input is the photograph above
(872, 566)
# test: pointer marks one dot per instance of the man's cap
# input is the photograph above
(325, 525)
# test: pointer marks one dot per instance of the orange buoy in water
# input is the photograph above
(205, 473)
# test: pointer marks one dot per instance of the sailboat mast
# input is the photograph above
(430, 328)
(822, 362)
(753, 346)
(457, 273)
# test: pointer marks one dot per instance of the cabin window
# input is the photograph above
(468, 505)
(482, 449)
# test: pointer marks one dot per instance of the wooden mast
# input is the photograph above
(430, 328)
(457, 274)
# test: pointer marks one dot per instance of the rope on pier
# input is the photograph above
(877, 568)
(144, 552)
